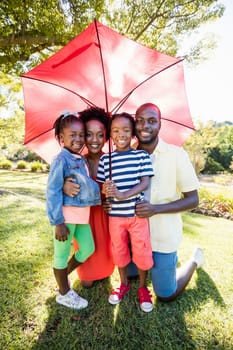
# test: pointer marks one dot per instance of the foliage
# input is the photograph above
(214, 204)
(30, 318)
(212, 167)
(231, 164)
(31, 31)
(36, 166)
(5, 163)
(22, 164)
(223, 152)
(13, 130)
(210, 147)
(199, 144)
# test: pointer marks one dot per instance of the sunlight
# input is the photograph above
(115, 313)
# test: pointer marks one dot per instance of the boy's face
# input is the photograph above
(72, 137)
(121, 133)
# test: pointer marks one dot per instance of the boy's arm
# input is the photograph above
(112, 191)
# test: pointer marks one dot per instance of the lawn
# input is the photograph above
(202, 318)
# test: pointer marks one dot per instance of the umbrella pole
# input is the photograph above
(108, 199)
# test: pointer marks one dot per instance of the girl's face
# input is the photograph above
(121, 133)
(95, 136)
(73, 137)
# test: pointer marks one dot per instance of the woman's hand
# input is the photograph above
(70, 188)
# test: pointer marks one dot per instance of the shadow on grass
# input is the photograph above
(124, 326)
(82, 329)
(165, 327)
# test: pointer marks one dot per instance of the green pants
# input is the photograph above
(83, 235)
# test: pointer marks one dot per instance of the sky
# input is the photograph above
(209, 86)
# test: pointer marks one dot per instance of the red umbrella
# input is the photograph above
(103, 68)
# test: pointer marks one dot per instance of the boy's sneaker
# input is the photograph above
(117, 294)
(72, 300)
(145, 299)
(198, 257)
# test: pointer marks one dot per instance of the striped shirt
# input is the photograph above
(127, 170)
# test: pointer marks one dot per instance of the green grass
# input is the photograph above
(202, 318)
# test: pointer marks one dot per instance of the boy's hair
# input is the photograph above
(96, 113)
(124, 115)
(63, 121)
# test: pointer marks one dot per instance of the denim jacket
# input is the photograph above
(66, 165)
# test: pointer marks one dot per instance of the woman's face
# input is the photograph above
(95, 136)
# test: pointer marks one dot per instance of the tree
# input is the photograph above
(199, 144)
(211, 147)
(231, 164)
(31, 30)
(223, 151)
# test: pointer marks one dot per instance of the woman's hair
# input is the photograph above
(123, 115)
(63, 121)
(96, 113)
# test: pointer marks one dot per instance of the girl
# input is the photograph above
(70, 215)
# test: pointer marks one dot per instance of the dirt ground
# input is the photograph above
(217, 179)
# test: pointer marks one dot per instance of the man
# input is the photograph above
(173, 190)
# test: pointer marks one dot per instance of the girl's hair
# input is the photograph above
(96, 113)
(63, 121)
(124, 115)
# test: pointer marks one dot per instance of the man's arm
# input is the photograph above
(189, 201)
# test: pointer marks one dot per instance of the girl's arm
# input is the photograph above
(61, 232)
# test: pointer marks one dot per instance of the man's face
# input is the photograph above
(147, 124)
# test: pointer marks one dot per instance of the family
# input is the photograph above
(121, 209)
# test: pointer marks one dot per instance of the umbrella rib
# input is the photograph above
(91, 104)
(175, 122)
(120, 104)
(37, 136)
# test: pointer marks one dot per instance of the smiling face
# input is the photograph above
(95, 136)
(121, 133)
(148, 124)
(73, 136)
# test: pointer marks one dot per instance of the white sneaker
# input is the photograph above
(198, 257)
(72, 300)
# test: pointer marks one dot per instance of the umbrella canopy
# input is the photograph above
(103, 68)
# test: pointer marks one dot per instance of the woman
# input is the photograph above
(100, 264)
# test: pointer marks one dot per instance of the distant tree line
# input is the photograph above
(211, 148)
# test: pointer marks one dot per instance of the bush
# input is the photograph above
(35, 166)
(22, 164)
(214, 205)
(212, 167)
(5, 163)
